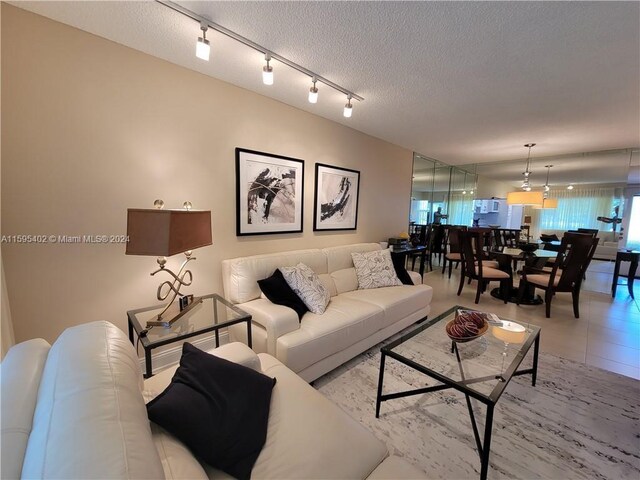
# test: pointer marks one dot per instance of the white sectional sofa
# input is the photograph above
(354, 321)
(607, 244)
(76, 410)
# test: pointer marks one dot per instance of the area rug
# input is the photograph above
(578, 422)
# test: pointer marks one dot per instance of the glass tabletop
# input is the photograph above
(486, 364)
(204, 315)
(540, 253)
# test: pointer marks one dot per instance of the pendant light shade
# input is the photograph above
(525, 198)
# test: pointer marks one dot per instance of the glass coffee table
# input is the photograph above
(480, 368)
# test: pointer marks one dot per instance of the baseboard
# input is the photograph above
(171, 356)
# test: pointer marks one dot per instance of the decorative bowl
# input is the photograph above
(466, 327)
(528, 247)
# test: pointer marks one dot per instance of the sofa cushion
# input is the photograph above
(240, 275)
(278, 291)
(21, 374)
(90, 420)
(375, 269)
(345, 280)
(308, 287)
(340, 257)
(345, 322)
(309, 436)
(218, 408)
(396, 302)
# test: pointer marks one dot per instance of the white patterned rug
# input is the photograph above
(578, 422)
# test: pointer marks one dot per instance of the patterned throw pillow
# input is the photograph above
(375, 269)
(308, 287)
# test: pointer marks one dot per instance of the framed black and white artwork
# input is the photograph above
(269, 193)
(336, 198)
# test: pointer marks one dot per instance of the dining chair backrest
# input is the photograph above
(471, 246)
(574, 256)
(505, 237)
(438, 237)
(454, 238)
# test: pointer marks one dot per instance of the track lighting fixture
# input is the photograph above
(313, 91)
(267, 71)
(202, 46)
(203, 50)
(348, 108)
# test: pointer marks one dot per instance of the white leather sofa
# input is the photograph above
(76, 410)
(607, 244)
(354, 321)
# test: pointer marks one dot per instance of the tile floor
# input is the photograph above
(606, 335)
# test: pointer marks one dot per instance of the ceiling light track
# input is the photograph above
(251, 44)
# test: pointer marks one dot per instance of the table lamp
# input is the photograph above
(163, 233)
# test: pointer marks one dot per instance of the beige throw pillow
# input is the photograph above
(375, 269)
(307, 286)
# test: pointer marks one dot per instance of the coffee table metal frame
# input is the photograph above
(490, 401)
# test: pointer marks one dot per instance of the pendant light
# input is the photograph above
(526, 185)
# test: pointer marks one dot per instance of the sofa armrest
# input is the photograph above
(396, 468)
(277, 320)
(415, 277)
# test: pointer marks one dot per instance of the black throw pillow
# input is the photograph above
(278, 291)
(219, 409)
(401, 271)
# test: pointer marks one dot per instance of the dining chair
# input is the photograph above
(453, 255)
(574, 256)
(424, 239)
(475, 265)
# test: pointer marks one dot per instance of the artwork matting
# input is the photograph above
(336, 198)
(269, 193)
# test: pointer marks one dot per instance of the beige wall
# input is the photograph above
(92, 127)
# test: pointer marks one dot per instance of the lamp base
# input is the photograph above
(172, 314)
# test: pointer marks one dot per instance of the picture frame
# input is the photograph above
(269, 193)
(336, 196)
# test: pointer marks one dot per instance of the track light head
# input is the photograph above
(267, 71)
(203, 48)
(570, 187)
(348, 108)
(313, 92)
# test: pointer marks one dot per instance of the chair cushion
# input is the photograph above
(308, 287)
(219, 409)
(489, 263)
(456, 257)
(493, 273)
(375, 269)
(542, 280)
(278, 291)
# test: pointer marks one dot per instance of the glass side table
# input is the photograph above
(208, 313)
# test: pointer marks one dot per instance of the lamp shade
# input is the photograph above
(510, 332)
(162, 233)
(524, 198)
(548, 203)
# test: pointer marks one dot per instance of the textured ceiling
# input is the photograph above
(462, 82)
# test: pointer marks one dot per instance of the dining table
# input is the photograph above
(513, 256)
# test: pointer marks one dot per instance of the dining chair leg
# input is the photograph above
(548, 296)
(576, 300)
(504, 286)
(479, 290)
(461, 283)
(521, 288)
(450, 265)
(444, 265)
